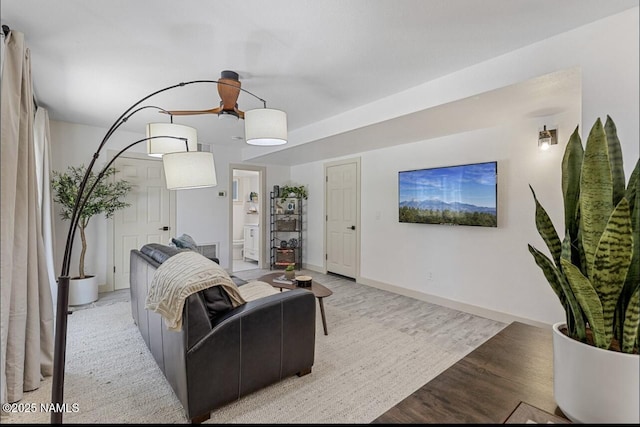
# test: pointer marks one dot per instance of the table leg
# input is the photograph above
(324, 320)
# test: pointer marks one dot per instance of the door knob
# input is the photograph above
(353, 227)
(165, 228)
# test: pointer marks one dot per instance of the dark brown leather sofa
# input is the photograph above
(217, 359)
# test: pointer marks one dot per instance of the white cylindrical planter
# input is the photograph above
(592, 385)
(83, 291)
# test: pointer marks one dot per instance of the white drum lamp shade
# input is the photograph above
(193, 169)
(157, 147)
(265, 126)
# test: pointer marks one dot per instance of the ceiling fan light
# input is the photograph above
(228, 116)
(187, 170)
(157, 147)
(265, 126)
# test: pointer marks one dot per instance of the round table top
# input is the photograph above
(319, 290)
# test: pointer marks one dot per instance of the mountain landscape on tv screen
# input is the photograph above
(434, 211)
(441, 206)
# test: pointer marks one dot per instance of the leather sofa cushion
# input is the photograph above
(159, 252)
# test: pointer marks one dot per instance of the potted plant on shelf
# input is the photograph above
(292, 191)
(105, 199)
(595, 272)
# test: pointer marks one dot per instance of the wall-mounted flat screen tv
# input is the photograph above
(452, 195)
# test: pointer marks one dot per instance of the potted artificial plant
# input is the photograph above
(107, 197)
(289, 272)
(293, 191)
(595, 271)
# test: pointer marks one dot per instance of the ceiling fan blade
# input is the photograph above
(215, 110)
(229, 90)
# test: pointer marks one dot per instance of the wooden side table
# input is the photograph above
(318, 290)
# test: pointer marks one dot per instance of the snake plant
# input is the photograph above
(595, 268)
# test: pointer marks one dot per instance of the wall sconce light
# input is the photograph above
(547, 138)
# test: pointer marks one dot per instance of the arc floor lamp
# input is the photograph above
(184, 166)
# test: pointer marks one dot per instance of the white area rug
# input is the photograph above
(362, 368)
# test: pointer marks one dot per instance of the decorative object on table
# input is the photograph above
(283, 244)
(253, 197)
(283, 280)
(287, 191)
(595, 271)
(289, 272)
(303, 281)
(293, 243)
(107, 198)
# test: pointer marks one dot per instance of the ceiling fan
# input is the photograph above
(228, 89)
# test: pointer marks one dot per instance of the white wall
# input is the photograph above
(483, 270)
(487, 268)
(73, 145)
(200, 213)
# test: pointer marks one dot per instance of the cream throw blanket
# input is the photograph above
(180, 276)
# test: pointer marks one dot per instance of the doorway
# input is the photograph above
(150, 218)
(247, 220)
(342, 231)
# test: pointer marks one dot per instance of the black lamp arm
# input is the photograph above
(122, 119)
(77, 216)
(57, 387)
(66, 259)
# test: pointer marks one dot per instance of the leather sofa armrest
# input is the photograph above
(252, 346)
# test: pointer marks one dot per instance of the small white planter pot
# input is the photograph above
(83, 291)
(592, 385)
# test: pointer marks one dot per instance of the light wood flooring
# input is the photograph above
(407, 315)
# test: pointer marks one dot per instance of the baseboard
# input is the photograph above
(316, 268)
(456, 305)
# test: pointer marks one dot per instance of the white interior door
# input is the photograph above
(342, 218)
(149, 219)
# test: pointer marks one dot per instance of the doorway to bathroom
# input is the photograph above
(247, 217)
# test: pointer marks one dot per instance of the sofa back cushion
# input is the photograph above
(158, 252)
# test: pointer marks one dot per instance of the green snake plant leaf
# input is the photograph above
(547, 230)
(631, 323)
(631, 193)
(579, 259)
(611, 262)
(632, 282)
(596, 192)
(578, 328)
(571, 165)
(615, 160)
(560, 286)
(588, 299)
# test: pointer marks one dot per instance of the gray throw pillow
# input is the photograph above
(185, 242)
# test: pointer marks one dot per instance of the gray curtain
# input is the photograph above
(26, 315)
